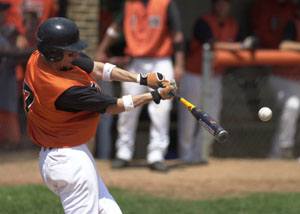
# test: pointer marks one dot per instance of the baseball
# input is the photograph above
(265, 113)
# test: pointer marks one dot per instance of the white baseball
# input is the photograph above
(265, 113)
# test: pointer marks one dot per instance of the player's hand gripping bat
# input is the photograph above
(204, 119)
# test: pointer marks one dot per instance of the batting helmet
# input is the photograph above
(58, 34)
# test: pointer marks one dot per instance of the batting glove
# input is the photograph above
(162, 94)
(153, 80)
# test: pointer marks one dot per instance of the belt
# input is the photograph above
(45, 148)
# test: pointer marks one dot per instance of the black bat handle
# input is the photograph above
(177, 96)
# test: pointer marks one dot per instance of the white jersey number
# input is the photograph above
(28, 96)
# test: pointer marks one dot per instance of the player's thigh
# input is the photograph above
(165, 67)
(71, 174)
(190, 88)
(160, 113)
(130, 88)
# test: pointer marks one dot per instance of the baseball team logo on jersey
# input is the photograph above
(95, 85)
(28, 97)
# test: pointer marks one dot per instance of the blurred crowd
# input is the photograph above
(275, 24)
(19, 21)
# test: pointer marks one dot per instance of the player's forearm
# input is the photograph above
(122, 75)
(178, 45)
(117, 74)
(110, 37)
(137, 100)
(105, 44)
(289, 45)
(179, 58)
(230, 46)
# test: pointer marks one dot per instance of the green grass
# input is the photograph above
(38, 199)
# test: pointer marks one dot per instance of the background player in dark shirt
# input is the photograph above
(285, 83)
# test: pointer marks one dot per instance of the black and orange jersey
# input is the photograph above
(228, 31)
(290, 32)
(146, 30)
(269, 17)
(46, 125)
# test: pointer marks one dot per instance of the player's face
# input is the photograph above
(69, 57)
(221, 8)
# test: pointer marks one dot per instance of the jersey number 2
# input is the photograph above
(28, 96)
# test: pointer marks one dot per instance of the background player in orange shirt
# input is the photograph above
(275, 23)
(286, 85)
(9, 121)
(269, 17)
(43, 8)
(152, 30)
(221, 32)
(63, 104)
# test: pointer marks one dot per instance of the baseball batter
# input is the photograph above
(153, 33)
(64, 103)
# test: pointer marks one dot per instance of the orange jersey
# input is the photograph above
(225, 33)
(146, 30)
(47, 126)
(269, 20)
(292, 72)
(44, 8)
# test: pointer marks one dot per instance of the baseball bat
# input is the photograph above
(204, 119)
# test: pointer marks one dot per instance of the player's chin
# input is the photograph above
(66, 68)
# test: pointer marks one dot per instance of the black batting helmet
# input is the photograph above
(58, 34)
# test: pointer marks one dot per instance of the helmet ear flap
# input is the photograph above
(50, 53)
(53, 54)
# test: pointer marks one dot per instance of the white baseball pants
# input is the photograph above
(71, 174)
(287, 94)
(159, 114)
(189, 130)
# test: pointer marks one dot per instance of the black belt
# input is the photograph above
(45, 148)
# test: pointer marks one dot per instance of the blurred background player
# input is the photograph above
(152, 30)
(221, 32)
(269, 17)
(9, 122)
(22, 14)
(285, 82)
(30, 24)
(25, 42)
(272, 22)
(44, 9)
(103, 139)
(63, 104)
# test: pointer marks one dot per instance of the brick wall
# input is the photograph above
(85, 13)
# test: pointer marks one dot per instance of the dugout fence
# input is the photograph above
(245, 90)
